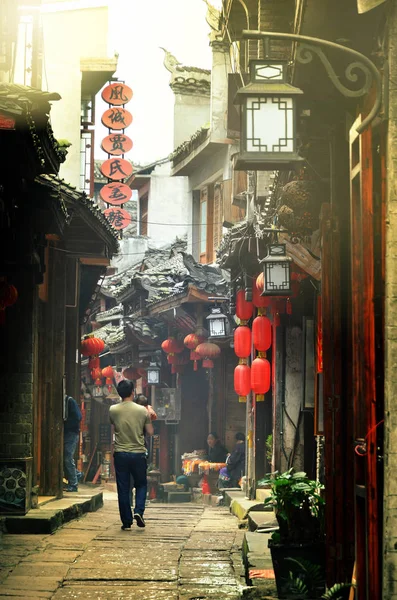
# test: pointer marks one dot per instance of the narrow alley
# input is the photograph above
(186, 552)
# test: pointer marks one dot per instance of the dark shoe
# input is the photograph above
(139, 520)
(71, 488)
(126, 527)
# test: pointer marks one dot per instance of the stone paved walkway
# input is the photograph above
(186, 552)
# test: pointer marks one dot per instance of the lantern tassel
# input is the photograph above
(260, 397)
(288, 307)
(242, 399)
(195, 366)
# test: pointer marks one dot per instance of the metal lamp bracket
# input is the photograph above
(308, 47)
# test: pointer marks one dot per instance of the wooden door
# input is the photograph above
(364, 221)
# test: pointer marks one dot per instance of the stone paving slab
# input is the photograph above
(114, 593)
(16, 594)
(43, 584)
(185, 552)
(64, 556)
(137, 573)
(42, 569)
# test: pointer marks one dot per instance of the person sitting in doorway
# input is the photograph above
(217, 453)
(231, 475)
(71, 434)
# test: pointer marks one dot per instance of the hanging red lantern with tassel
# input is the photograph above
(262, 333)
(242, 341)
(208, 351)
(191, 341)
(109, 374)
(8, 297)
(92, 347)
(244, 309)
(171, 346)
(242, 381)
(96, 374)
(260, 377)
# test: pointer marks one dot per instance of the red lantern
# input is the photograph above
(244, 309)
(172, 346)
(109, 374)
(262, 333)
(242, 341)
(258, 300)
(242, 381)
(260, 377)
(207, 351)
(92, 346)
(8, 297)
(191, 341)
(260, 283)
(131, 373)
(96, 374)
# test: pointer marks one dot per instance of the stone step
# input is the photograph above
(55, 513)
(260, 519)
(262, 494)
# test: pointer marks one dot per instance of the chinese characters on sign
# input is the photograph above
(116, 193)
(117, 217)
(116, 144)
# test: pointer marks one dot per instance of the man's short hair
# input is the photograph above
(125, 388)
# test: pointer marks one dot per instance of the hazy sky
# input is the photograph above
(137, 29)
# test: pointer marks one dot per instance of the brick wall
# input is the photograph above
(276, 15)
(16, 374)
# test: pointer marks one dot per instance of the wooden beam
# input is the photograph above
(301, 256)
(100, 261)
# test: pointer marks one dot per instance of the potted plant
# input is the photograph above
(299, 510)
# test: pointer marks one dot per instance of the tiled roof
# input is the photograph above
(111, 314)
(183, 150)
(72, 194)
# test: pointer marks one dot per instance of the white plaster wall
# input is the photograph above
(70, 35)
(219, 90)
(169, 209)
(132, 251)
(190, 114)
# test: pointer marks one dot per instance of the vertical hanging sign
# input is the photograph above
(116, 169)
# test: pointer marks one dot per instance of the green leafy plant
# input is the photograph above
(306, 580)
(298, 506)
(269, 448)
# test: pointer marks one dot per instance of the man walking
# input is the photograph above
(130, 422)
(71, 432)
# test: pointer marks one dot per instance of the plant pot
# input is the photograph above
(302, 555)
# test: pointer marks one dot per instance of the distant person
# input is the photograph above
(217, 453)
(71, 434)
(235, 462)
(130, 421)
(143, 401)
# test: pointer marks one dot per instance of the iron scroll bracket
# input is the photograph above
(310, 46)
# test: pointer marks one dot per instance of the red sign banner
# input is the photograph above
(117, 118)
(117, 217)
(117, 93)
(115, 193)
(116, 169)
(116, 144)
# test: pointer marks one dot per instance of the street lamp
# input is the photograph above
(153, 374)
(268, 119)
(217, 322)
(276, 271)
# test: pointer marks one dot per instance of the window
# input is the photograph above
(143, 214)
(203, 224)
(87, 113)
(206, 237)
(87, 161)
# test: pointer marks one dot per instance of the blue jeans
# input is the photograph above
(125, 465)
(70, 441)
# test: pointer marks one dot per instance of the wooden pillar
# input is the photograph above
(72, 342)
(52, 354)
